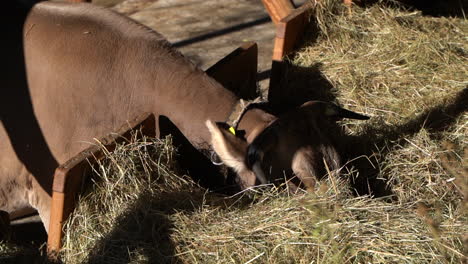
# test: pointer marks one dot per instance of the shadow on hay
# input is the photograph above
(379, 140)
(300, 84)
(143, 233)
(28, 237)
(144, 230)
(293, 85)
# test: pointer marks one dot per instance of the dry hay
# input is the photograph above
(405, 70)
(409, 73)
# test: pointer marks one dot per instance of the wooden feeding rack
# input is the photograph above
(290, 23)
(69, 176)
(237, 72)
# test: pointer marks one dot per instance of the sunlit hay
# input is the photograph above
(303, 228)
(408, 72)
(380, 59)
(125, 204)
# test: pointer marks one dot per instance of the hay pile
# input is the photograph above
(405, 70)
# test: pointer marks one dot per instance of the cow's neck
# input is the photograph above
(195, 98)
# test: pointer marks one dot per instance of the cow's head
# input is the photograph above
(295, 146)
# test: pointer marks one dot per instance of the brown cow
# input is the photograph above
(90, 69)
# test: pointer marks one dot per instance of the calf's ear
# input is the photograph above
(231, 149)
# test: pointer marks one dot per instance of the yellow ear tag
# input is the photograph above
(232, 130)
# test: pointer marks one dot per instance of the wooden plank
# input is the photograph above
(57, 218)
(278, 9)
(289, 30)
(69, 176)
(238, 70)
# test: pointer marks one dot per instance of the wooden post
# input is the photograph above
(278, 9)
(289, 30)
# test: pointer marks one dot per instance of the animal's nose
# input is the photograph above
(257, 169)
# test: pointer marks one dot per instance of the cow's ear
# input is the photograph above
(231, 149)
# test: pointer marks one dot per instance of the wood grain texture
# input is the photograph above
(278, 9)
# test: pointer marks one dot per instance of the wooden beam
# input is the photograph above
(278, 9)
(238, 71)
